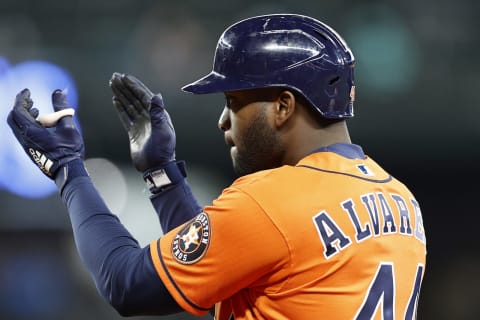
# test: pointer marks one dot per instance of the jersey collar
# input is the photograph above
(347, 150)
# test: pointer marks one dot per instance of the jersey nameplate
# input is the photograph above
(383, 220)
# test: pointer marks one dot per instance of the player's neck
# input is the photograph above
(305, 141)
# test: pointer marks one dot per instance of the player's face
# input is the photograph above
(248, 127)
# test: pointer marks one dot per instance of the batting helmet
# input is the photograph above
(284, 50)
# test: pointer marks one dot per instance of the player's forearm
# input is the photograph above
(175, 206)
(123, 272)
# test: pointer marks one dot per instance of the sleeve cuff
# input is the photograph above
(69, 171)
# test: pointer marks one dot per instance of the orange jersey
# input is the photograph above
(330, 238)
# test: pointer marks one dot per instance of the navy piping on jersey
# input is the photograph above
(174, 283)
(388, 179)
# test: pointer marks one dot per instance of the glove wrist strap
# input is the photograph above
(70, 170)
(159, 179)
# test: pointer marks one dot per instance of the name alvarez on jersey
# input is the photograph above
(386, 221)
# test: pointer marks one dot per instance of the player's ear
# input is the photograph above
(285, 107)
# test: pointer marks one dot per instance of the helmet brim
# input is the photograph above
(215, 83)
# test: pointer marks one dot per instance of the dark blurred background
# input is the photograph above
(416, 114)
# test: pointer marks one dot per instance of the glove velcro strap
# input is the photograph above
(159, 179)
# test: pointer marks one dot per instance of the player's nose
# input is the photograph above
(224, 121)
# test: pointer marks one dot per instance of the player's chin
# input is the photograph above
(233, 153)
(238, 167)
(241, 165)
(235, 162)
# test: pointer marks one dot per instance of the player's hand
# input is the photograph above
(148, 124)
(49, 148)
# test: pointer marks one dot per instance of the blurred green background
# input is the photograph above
(416, 114)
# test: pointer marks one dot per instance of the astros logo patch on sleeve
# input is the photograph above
(191, 242)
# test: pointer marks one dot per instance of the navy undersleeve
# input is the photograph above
(123, 272)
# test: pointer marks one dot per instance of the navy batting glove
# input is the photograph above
(49, 148)
(147, 122)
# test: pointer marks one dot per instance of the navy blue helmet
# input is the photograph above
(284, 50)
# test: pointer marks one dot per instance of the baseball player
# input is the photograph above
(312, 228)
